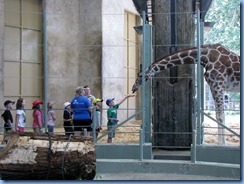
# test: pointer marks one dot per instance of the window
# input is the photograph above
(23, 51)
(22, 48)
(132, 51)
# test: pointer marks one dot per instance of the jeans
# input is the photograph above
(50, 128)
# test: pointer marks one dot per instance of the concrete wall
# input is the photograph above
(117, 151)
(84, 48)
(1, 55)
(220, 154)
(1, 49)
(113, 51)
(74, 49)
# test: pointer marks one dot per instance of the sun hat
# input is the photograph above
(66, 104)
(109, 100)
(8, 102)
(36, 102)
(97, 100)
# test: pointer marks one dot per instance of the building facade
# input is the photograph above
(89, 42)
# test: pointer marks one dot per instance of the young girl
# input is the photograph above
(20, 118)
(51, 117)
(37, 116)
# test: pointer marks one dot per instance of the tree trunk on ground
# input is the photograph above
(30, 156)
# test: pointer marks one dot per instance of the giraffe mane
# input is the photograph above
(203, 46)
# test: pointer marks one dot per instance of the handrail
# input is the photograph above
(236, 134)
(119, 125)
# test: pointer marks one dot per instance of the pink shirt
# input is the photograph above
(35, 120)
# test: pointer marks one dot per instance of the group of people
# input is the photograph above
(78, 116)
(20, 117)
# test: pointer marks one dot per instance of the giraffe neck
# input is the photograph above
(188, 56)
(211, 56)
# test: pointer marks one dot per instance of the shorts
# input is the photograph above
(6, 129)
(20, 129)
(79, 125)
(50, 128)
(68, 128)
(111, 134)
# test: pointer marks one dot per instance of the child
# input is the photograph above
(37, 116)
(7, 117)
(51, 117)
(20, 118)
(112, 115)
(96, 118)
(67, 116)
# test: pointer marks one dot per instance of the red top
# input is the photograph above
(35, 119)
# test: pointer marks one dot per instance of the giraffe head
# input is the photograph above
(137, 83)
(148, 74)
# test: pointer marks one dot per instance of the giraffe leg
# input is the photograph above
(218, 96)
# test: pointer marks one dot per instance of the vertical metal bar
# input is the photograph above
(143, 84)
(193, 147)
(202, 83)
(94, 125)
(198, 79)
(143, 73)
(21, 50)
(148, 89)
(141, 144)
(45, 65)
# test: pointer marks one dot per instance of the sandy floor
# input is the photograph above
(129, 132)
(232, 121)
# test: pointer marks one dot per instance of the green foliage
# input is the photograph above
(235, 96)
(226, 31)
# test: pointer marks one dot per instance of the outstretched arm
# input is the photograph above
(123, 99)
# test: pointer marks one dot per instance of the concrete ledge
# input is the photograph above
(157, 177)
(221, 154)
(169, 166)
(122, 151)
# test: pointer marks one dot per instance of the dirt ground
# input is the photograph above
(130, 131)
(232, 121)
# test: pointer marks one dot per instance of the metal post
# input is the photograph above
(45, 65)
(146, 90)
(193, 147)
(94, 125)
(141, 144)
(143, 73)
(202, 83)
(198, 79)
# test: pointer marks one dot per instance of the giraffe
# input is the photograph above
(222, 73)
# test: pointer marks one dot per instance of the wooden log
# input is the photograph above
(30, 156)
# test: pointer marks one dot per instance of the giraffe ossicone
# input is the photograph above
(222, 73)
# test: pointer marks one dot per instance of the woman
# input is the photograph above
(81, 108)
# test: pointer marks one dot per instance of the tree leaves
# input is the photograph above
(226, 31)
